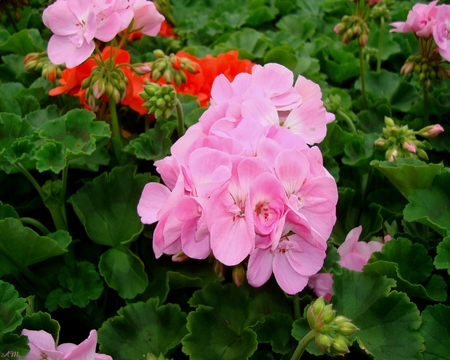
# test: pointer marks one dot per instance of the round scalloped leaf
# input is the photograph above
(24, 246)
(365, 299)
(436, 332)
(408, 174)
(124, 272)
(11, 307)
(107, 206)
(276, 330)
(72, 136)
(7, 211)
(41, 321)
(431, 205)
(212, 338)
(141, 329)
(442, 259)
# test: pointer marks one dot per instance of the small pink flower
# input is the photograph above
(42, 346)
(420, 20)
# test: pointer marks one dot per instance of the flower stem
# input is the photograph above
(380, 44)
(363, 77)
(426, 106)
(303, 344)
(114, 119)
(36, 223)
(180, 118)
(347, 119)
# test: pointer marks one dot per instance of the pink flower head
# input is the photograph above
(73, 23)
(146, 19)
(441, 31)
(420, 20)
(112, 17)
(42, 346)
(354, 255)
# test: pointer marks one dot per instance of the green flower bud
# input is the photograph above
(389, 122)
(324, 342)
(347, 328)
(328, 314)
(159, 53)
(340, 344)
(318, 306)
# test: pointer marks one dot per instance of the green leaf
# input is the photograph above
(276, 330)
(155, 143)
(124, 272)
(282, 55)
(211, 338)
(442, 259)
(11, 308)
(436, 332)
(107, 206)
(70, 137)
(12, 345)
(82, 281)
(359, 150)
(39, 117)
(408, 175)
(23, 42)
(141, 329)
(226, 314)
(335, 140)
(299, 25)
(409, 264)
(7, 211)
(431, 205)
(365, 299)
(24, 246)
(41, 321)
(338, 64)
(8, 102)
(250, 43)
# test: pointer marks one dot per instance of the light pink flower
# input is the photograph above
(441, 31)
(146, 19)
(420, 20)
(42, 346)
(73, 23)
(112, 17)
(354, 256)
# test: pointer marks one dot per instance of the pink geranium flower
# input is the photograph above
(42, 346)
(441, 31)
(73, 23)
(146, 19)
(420, 20)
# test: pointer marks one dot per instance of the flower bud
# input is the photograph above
(389, 122)
(409, 146)
(340, 345)
(324, 342)
(431, 131)
(159, 53)
(380, 143)
(219, 268)
(180, 257)
(347, 328)
(238, 274)
(328, 314)
(141, 69)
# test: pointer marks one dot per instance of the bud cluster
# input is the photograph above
(40, 62)
(400, 141)
(429, 68)
(159, 99)
(379, 11)
(104, 81)
(352, 27)
(331, 331)
(171, 68)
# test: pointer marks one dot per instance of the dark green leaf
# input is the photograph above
(141, 329)
(41, 321)
(11, 308)
(436, 332)
(23, 42)
(276, 330)
(442, 259)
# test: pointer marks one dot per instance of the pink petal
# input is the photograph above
(322, 284)
(259, 267)
(153, 198)
(307, 89)
(289, 280)
(86, 349)
(350, 241)
(109, 28)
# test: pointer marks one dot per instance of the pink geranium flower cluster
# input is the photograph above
(77, 23)
(243, 183)
(42, 346)
(429, 21)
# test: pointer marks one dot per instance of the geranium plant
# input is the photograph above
(245, 179)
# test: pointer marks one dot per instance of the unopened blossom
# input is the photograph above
(42, 346)
(431, 131)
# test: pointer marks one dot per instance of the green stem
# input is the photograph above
(426, 106)
(11, 19)
(41, 284)
(36, 223)
(348, 121)
(363, 77)
(63, 192)
(380, 43)
(302, 345)
(32, 180)
(296, 302)
(114, 119)
(180, 119)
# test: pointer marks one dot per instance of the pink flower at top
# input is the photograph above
(146, 19)
(42, 346)
(441, 31)
(420, 20)
(112, 17)
(73, 23)
(354, 255)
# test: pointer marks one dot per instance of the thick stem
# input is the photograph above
(426, 106)
(180, 119)
(37, 224)
(380, 44)
(303, 344)
(114, 119)
(363, 78)
(347, 119)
